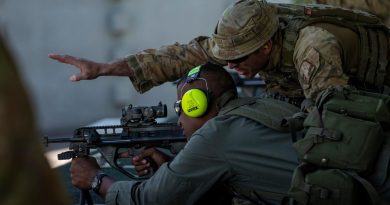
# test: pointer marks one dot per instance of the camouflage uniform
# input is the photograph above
(153, 67)
(25, 175)
(322, 56)
(380, 8)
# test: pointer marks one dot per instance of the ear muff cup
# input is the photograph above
(194, 103)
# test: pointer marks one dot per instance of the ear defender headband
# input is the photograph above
(195, 101)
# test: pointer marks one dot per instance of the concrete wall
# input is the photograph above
(101, 30)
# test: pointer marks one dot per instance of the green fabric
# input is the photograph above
(345, 133)
(323, 187)
(348, 133)
(267, 111)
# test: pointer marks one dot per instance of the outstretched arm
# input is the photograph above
(148, 68)
(90, 70)
(153, 67)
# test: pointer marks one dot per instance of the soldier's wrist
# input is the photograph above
(97, 182)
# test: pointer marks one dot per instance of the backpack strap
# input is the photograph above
(267, 111)
(256, 197)
(364, 53)
(380, 175)
(228, 101)
(295, 123)
(374, 196)
(383, 59)
(227, 96)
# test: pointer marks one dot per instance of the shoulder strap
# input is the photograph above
(374, 196)
(267, 111)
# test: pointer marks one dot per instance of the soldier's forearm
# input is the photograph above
(116, 68)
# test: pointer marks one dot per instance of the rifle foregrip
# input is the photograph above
(66, 155)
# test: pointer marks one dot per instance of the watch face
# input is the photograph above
(94, 182)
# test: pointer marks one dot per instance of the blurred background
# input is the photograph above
(100, 30)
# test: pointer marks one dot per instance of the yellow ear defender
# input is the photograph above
(194, 103)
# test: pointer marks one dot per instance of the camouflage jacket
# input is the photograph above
(322, 55)
(378, 7)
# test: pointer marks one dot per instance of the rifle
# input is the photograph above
(138, 130)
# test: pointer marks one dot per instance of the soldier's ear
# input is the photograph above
(267, 47)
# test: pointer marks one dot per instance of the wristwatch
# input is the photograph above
(97, 181)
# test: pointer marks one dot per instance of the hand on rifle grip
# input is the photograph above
(146, 161)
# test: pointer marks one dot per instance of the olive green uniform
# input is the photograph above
(253, 157)
(25, 175)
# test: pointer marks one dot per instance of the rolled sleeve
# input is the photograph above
(139, 81)
(153, 67)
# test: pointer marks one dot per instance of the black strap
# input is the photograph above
(374, 196)
(236, 103)
(373, 57)
(383, 61)
(364, 53)
(258, 197)
(227, 96)
(295, 123)
(85, 197)
(324, 134)
(386, 90)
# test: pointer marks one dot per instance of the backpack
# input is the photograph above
(345, 148)
(345, 133)
(373, 35)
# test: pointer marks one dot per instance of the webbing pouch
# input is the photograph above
(345, 143)
(345, 131)
(325, 186)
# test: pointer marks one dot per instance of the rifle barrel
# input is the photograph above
(47, 140)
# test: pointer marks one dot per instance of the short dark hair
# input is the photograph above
(218, 80)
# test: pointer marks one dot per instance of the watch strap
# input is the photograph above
(99, 180)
